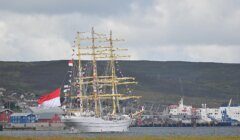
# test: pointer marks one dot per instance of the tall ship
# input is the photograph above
(96, 88)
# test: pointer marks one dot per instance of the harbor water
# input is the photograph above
(137, 131)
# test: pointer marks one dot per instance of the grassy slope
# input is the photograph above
(162, 82)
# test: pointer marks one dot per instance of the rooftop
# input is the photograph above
(52, 110)
(2, 109)
(21, 114)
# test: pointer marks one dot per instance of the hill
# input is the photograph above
(159, 82)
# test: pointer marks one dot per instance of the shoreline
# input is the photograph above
(123, 138)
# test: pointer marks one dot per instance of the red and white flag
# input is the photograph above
(50, 100)
(70, 63)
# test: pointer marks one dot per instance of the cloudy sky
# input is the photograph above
(162, 30)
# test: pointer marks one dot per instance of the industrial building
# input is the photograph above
(23, 118)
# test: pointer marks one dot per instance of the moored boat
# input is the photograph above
(89, 92)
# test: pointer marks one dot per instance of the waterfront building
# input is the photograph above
(5, 115)
(23, 118)
(47, 115)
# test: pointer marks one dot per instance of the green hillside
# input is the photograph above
(160, 82)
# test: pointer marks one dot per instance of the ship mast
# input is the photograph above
(96, 51)
(95, 78)
(80, 80)
(113, 72)
(114, 80)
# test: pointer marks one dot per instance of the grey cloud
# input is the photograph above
(92, 7)
(153, 30)
(191, 22)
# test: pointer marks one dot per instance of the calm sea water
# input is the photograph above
(138, 131)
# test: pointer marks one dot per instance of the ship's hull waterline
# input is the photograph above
(93, 124)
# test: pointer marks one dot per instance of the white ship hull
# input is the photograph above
(93, 124)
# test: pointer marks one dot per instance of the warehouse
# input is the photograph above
(23, 118)
(47, 115)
